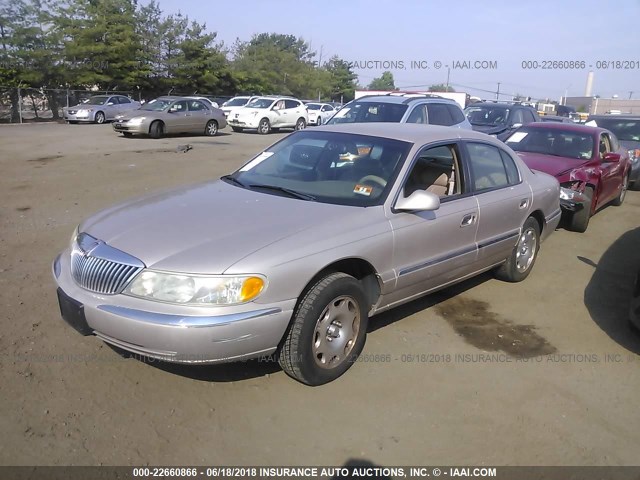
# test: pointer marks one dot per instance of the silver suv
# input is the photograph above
(403, 108)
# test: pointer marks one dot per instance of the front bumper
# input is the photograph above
(243, 122)
(121, 127)
(172, 333)
(79, 117)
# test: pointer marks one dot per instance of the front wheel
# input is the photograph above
(524, 254)
(127, 134)
(301, 124)
(579, 220)
(156, 130)
(211, 129)
(328, 330)
(264, 127)
(100, 118)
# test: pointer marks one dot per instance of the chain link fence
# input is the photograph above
(26, 105)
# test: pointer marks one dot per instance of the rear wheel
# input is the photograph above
(156, 130)
(264, 126)
(579, 221)
(520, 263)
(211, 129)
(328, 330)
(301, 124)
(623, 192)
(100, 118)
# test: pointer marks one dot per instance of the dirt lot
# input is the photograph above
(539, 373)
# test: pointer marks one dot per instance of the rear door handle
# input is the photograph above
(524, 203)
(467, 220)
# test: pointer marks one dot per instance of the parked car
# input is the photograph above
(402, 108)
(627, 129)
(235, 103)
(99, 109)
(206, 100)
(500, 119)
(171, 115)
(302, 244)
(591, 166)
(319, 113)
(270, 113)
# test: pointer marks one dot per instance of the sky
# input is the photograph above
(418, 40)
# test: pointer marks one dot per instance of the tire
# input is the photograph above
(237, 129)
(319, 121)
(619, 200)
(301, 124)
(579, 221)
(100, 118)
(524, 254)
(127, 134)
(264, 127)
(72, 122)
(156, 130)
(211, 130)
(334, 309)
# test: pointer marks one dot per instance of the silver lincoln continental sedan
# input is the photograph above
(293, 253)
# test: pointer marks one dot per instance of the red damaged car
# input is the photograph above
(591, 166)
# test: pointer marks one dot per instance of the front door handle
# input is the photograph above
(467, 220)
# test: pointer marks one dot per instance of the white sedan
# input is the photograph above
(319, 113)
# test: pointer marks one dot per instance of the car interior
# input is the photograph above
(434, 171)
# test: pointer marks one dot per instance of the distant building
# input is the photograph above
(599, 106)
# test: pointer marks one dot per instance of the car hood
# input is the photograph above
(84, 106)
(140, 113)
(550, 164)
(629, 144)
(489, 129)
(207, 228)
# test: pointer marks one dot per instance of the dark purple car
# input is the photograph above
(589, 162)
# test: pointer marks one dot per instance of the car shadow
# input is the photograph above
(609, 291)
(177, 135)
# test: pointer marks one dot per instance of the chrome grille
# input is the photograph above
(100, 268)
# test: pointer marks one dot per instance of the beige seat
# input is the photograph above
(429, 178)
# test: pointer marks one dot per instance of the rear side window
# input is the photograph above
(291, 104)
(489, 168)
(124, 100)
(439, 114)
(457, 115)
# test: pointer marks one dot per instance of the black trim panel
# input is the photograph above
(435, 261)
(501, 238)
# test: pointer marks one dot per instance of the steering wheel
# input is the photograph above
(375, 179)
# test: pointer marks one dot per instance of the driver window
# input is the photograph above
(279, 105)
(180, 106)
(417, 115)
(605, 147)
(436, 170)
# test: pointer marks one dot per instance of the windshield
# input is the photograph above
(359, 112)
(327, 167)
(559, 143)
(236, 102)
(260, 103)
(157, 105)
(97, 101)
(626, 130)
(313, 106)
(487, 115)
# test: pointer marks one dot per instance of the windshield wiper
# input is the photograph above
(288, 191)
(234, 180)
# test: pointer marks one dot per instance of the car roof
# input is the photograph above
(499, 105)
(399, 99)
(572, 127)
(408, 132)
(622, 117)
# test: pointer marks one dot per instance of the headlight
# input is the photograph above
(573, 195)
(196, 289)
(136, 121)
(634, 155)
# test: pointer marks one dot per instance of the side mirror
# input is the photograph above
(516, 125)
(611, 157)
(420, 200)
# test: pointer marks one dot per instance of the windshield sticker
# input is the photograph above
(363, 190)
(516, 137)
(256, 161)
